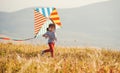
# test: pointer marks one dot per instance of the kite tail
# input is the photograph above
(6, 38)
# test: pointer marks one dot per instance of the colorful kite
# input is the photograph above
(42, 18)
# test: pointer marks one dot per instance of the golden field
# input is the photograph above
(26, 58)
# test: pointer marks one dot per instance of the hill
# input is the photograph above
(93, 25)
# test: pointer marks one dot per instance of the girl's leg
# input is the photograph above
(47, 50)
(51, 45)
(51, 49)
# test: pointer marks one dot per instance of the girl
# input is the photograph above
(50, 34)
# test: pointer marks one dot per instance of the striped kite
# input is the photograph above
(43, 17)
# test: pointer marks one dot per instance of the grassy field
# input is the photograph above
(23, 58)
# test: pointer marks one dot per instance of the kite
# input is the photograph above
(42, 18)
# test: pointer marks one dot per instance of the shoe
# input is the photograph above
(42, 53)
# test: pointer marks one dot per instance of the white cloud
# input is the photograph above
(14, 5)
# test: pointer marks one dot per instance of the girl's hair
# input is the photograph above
(47, 29)
(52, 25)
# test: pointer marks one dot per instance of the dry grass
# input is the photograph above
(26, 59)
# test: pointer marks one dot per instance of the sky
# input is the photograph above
(85, 22)
(14, 5)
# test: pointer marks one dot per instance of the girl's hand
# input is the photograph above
(46, 36)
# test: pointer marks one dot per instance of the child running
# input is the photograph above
(50, 34)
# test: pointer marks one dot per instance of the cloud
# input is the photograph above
(14, 5)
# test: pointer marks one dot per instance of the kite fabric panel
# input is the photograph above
(39, 21)
(45, 11)
(55, 17)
